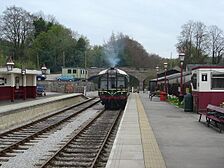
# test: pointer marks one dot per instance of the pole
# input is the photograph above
(165, 82)
(181, 80)
(85, 87)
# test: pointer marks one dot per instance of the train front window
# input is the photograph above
(103, 83)
(121, 82)
(112, 83)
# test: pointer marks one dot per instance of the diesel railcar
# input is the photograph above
(113, 88)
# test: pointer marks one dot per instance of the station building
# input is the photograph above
(207, 86)
(17, 83)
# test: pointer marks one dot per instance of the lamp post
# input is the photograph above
(165, 68)
(181, 56)
(9, 64)
(157, 71)
(23, 73)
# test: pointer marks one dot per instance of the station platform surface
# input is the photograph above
(7, 105)
(157, 134)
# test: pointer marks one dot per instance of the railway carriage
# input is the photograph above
(113, 88)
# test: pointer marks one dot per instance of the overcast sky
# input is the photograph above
(153, 23)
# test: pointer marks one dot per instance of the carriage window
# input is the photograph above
(204, 77)
(217, 81)
(194, 81)
(74, 71)
(69, 71)
(2, 81)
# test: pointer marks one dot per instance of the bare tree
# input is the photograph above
(200, 38)
(216, 38)
(16, 25)
(193, 40)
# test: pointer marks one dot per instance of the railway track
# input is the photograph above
(12, 140)
(87, 147)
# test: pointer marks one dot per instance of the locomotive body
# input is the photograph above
(113, 88)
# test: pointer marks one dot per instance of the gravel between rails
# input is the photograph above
(39, 151)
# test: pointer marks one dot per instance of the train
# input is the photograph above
(113, 88)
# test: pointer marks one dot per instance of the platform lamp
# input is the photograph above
(9, 64)
(23, 72)
(181, 57)
(43, 69)
(157, 72)
(165, 68)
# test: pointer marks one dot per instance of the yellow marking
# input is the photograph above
(152, 155)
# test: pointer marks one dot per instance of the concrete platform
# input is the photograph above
(135, 145)
(23, 111)
(157, 134)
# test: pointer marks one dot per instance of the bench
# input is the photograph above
(215, 114)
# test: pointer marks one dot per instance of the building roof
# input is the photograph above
(18, 71)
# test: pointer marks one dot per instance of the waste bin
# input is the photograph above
(162, 96)
(188, 103)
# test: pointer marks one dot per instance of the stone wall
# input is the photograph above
(60, 86)
(27, 114)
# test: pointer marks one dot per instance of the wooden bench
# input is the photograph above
(215, 114)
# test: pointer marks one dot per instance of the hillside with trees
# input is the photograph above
(32, 40)
(35, 39)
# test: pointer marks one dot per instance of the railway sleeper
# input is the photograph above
(87, 143)
(75, 159)
(85, 146)
(74, 155)
(92, 138)
(89, 140)
(81, 150)
(68, 164)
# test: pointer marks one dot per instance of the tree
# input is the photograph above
(16, 26)
(193, 41)
(80, 51)
(216, 38)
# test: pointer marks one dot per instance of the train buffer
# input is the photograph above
(214, 115)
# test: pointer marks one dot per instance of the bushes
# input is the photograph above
(175, 101)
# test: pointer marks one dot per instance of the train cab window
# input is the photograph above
(194, 81)
(121, 81)
(217, 81)
(103, 83)
(204, 77)
(74, 71)
(69, 71)
(112, 83)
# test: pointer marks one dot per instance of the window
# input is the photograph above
(69, 71)
(74, 71)
(217, 81)
(204, 77)
(194, 81)
(103, 83)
